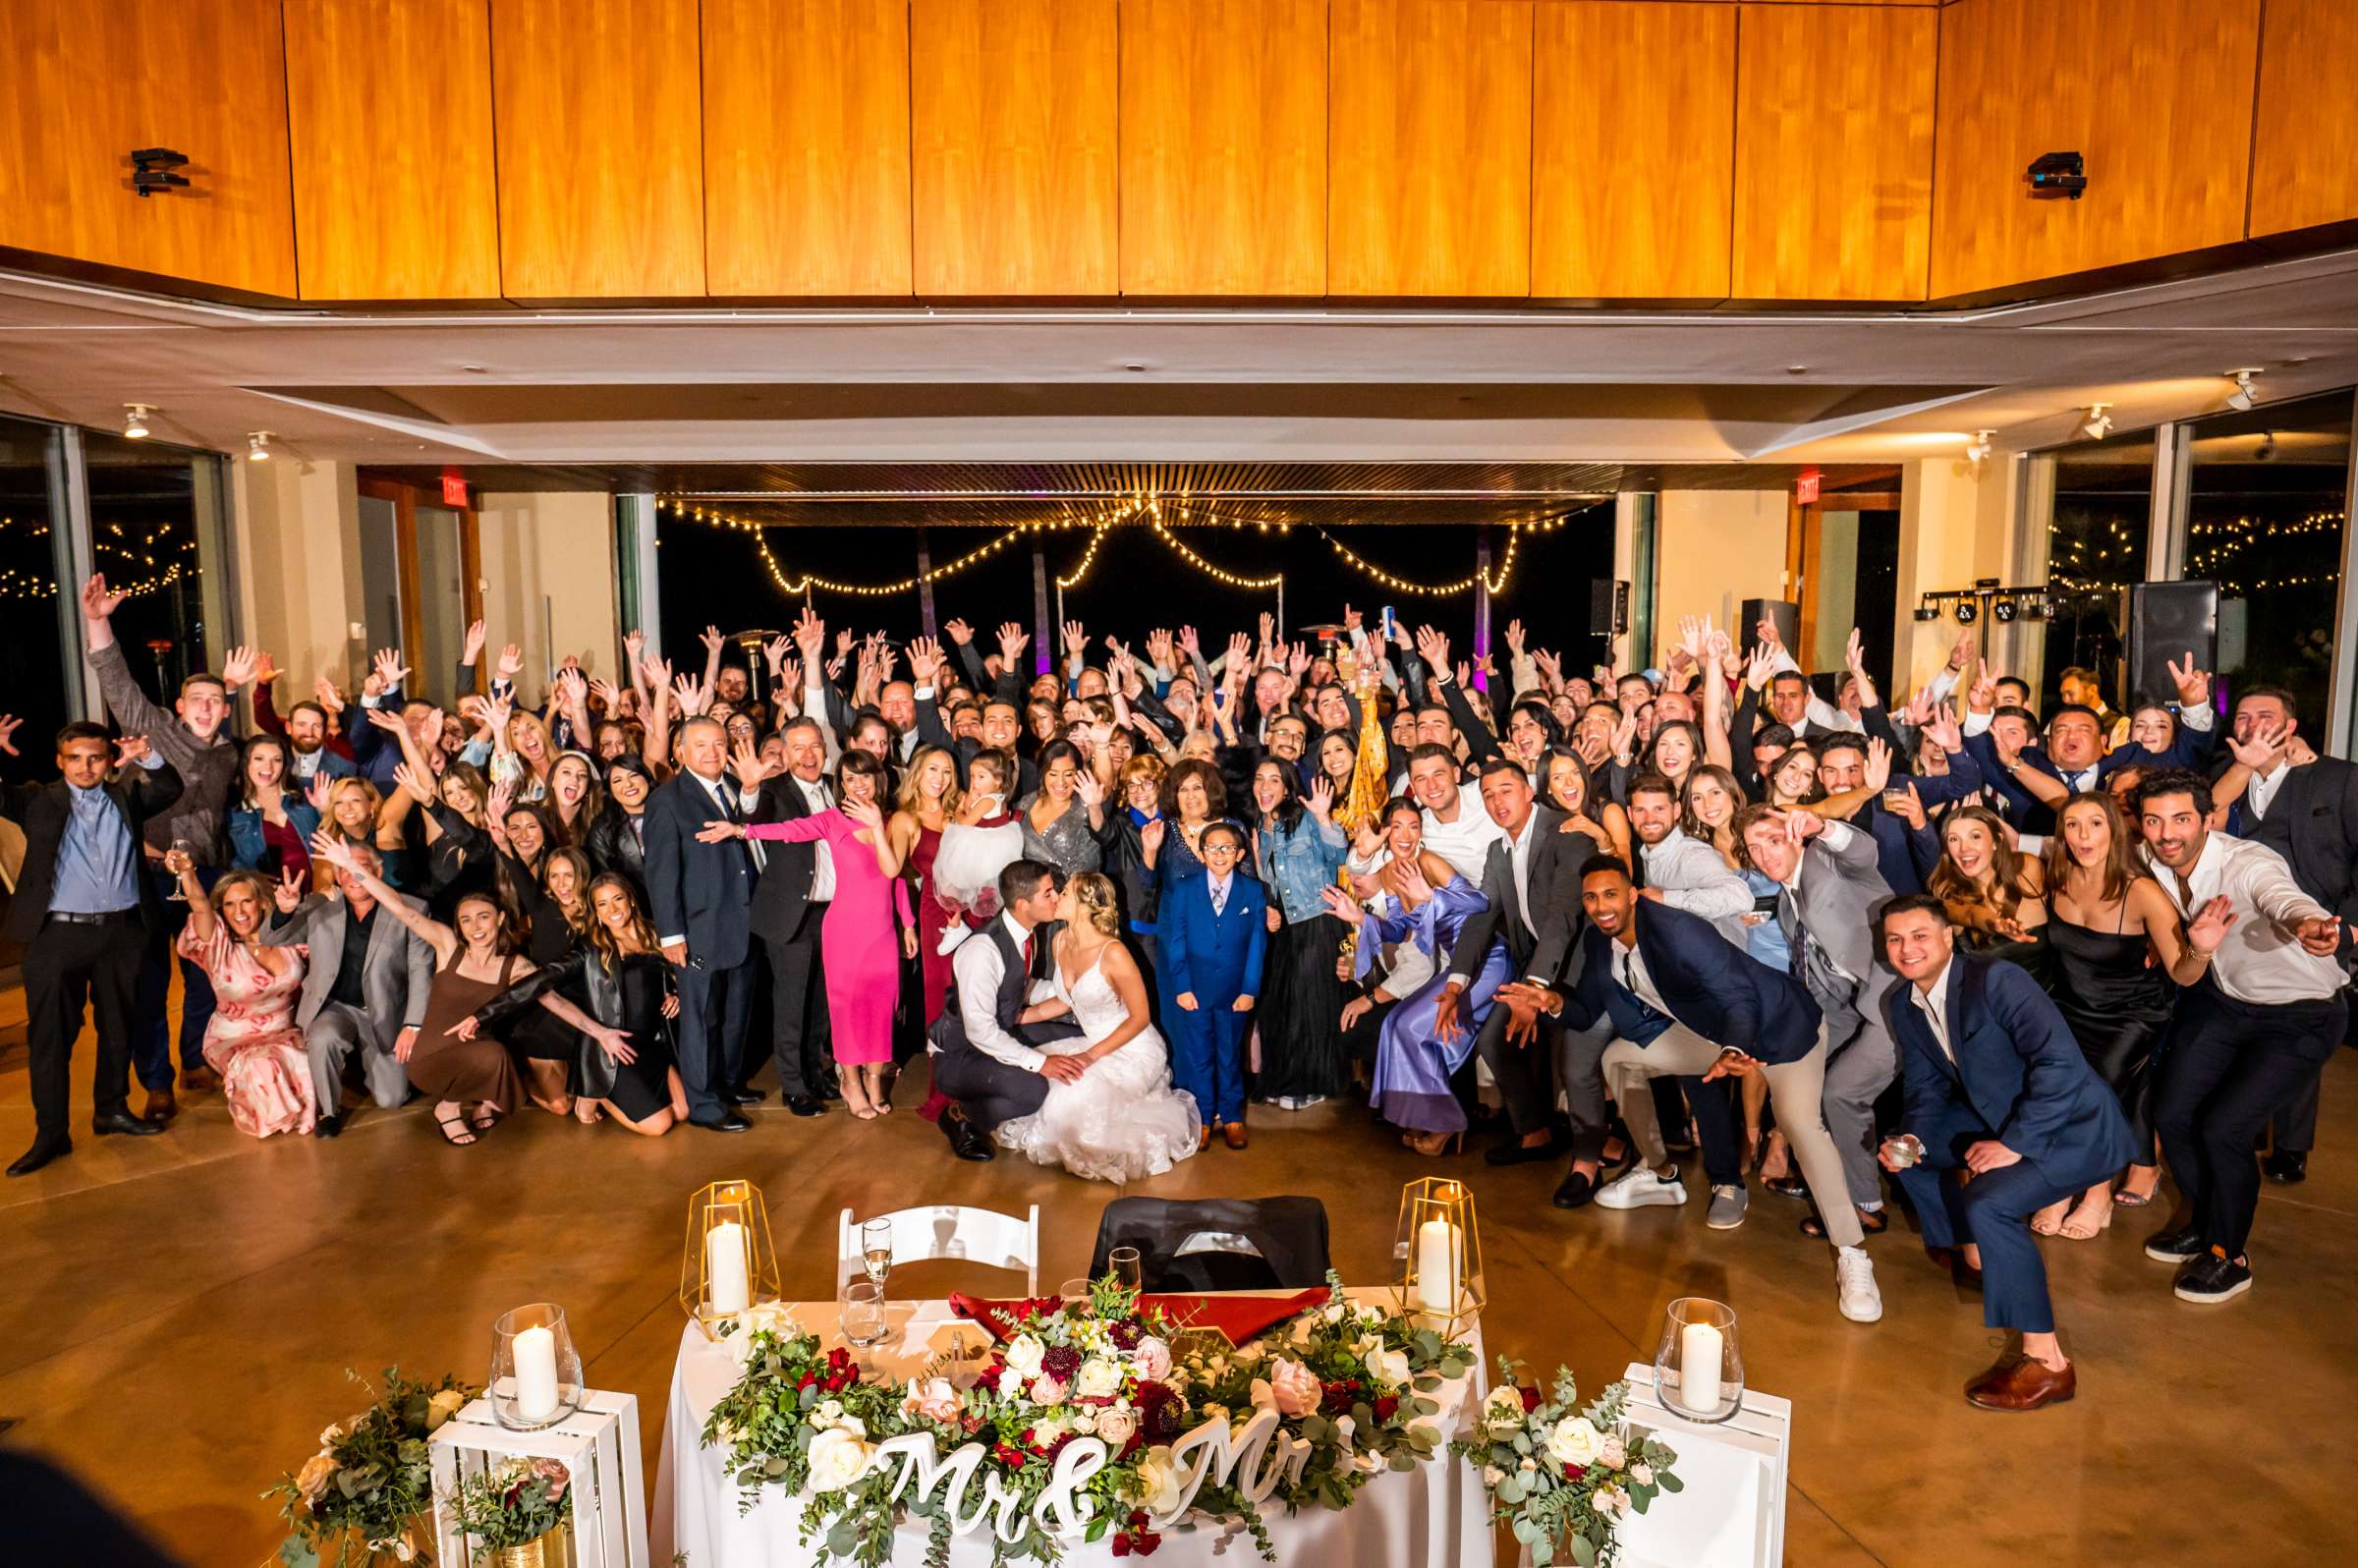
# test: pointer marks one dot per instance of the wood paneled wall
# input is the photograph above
(2305, 137)
(1015, 146)
(1633, 149)
(805, 147)
(600, 189)
(1555, 150)
(1223, 147)
(1428, 138)
(2161, 105)
(82, 87)
(389, 125)
(1833, 151)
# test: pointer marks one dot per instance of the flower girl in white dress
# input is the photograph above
(1112, 1115)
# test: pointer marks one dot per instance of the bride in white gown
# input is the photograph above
(1116, 1119)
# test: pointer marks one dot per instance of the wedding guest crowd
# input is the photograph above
(2011, 971)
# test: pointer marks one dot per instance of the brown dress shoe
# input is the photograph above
(161, 1107)
(1204, 1139)
(1234, 1133)
(2017, 1382)
(199, 1080)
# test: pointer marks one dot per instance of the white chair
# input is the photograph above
(947, 1230)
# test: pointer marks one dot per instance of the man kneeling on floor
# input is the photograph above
(2003, 1117)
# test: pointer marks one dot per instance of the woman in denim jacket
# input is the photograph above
(1298, 848)
(269, 824)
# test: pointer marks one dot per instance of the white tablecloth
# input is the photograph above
(1433, 1517)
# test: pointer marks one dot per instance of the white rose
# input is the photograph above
(1098, 1379)
(1502, 1412)
(1610, 1501)
(1333, 1313)
(1160, 1482)
(1528, 1464)
(1117, 1424)
(443, 1405)
(1389, 1368)
(1642, 1473)
(1084, 1421)
(1046, 1391)
(1575, 1442)
(826, 1413)
(837, 1459)
(1613, 1455)
(1044, 1432)
(1024, 1354)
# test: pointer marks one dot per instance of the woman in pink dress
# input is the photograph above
(868, 928)
(252, 1042)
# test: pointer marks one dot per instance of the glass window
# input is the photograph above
(2096, 546)
(32, 640)
(155, 533)
(2263, 520)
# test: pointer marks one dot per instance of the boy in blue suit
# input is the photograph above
(1998, 1092)
(1213, 934)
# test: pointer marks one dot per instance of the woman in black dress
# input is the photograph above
(2118, 946)
(616, 988)
(1995, 897)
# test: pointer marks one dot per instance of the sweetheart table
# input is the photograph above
(1431, 1517)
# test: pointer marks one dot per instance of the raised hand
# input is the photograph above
(693, 696)
(712, 640)
(1240, 650)
(2194, 686)
(1765, 633)
(1625, 737)
(130, 749)
(503, 795)
(1432, 647)
(474, 642)
(1321, 799)
(608, 695)
(510, 661)
(9, 724)
(1149, 837)
(1297, 661)
(316, 794)
(389, 670)
(237, 668)
(924, 660)
(1757, 666)
(1552, 668)
(1342, 906)
(384, 719)
(1982, 695)
(1879, 764)
(844, 640)
(1075, 638)
(1012, 640)
(1912, 811)
(1269, 629)
(1514, 636)
(1189, 644)
(420, 788)
(98, 602)
(2210, 924)
(747, 764)
(960, 633)
(869, 814)
(2260, 752)
(809, 634)
(328, 845)
(1086, 785)
(1465, 673)
(287, 894)
(1963, 651)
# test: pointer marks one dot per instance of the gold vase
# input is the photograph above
(541, 1551)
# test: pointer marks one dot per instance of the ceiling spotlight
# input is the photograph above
(135, 421)
(1977, 450)
(2098, 423)
(2003, 610)
(2243, 397)
(1967, 612)
(257, 446)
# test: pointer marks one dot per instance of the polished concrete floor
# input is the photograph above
(179, 1311)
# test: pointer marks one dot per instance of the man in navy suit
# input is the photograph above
(1212, 932)
(1686, 1002)
(2003, 1117)
(702, 897)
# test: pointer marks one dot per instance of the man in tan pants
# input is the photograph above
(1686, 1002)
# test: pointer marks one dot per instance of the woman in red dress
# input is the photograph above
(928, 801)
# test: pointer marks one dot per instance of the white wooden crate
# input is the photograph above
(1732, 1512)
(598, 1443)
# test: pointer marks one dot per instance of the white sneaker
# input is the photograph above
(1638, 1187)
(1854, 1285)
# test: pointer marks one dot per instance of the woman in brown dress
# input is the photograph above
(471, 965)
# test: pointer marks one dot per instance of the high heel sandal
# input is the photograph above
(2076, 1228)
(455, 1129)
(1435, 1146)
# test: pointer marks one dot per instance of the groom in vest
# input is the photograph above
(985, 1058)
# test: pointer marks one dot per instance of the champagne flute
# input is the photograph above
(875, 1249)
(864, 1314)
(1128, 1271)
(184, 853)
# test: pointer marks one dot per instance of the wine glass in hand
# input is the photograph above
(183, 855)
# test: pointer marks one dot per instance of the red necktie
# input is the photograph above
(1027, 941)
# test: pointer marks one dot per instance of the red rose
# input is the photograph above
(1575, 1472)
(1387, 1407)
(1121, 1544)
(1147, 1541)
(1531, 1398)
(1012, 1458)
(1137, 1519)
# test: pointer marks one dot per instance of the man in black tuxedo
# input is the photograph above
(702, 897)
(1530, 879)
(2307, 813)
(985, 1058)
(85, 911)
(790, 902)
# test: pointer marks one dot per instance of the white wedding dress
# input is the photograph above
(1119, 1121)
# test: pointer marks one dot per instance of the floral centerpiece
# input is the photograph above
(1086, 1425)
(1563, 1476)
(370, 1485)
(517, 1502)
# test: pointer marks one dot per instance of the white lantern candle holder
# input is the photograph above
(1439, 1248)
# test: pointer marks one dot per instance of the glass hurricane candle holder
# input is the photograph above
(1697, 1373)
(535, 1370)
(728, 1264)
(1439, 1248)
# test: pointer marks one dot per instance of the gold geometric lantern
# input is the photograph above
(1439, 1249)
(729, 1263)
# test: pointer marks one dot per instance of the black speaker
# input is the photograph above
(1784, 612)
(1609, 607)
(2167, 621)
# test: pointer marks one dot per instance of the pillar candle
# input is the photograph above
(1699, 1367)
(535, 1352)
(1439, 1259)
(725, 1288)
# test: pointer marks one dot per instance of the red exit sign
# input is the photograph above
(1804, 488)
(454, 490)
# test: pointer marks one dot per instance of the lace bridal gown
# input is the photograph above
(1121, 1120)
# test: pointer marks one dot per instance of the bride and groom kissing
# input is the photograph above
(1047, 1047)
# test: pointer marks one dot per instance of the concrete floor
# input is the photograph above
(181, 1309)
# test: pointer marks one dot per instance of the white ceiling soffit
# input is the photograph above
(354, 385)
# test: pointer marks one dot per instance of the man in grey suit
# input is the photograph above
(1834, 891)
(365, 989)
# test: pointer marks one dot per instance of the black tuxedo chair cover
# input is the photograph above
(1219, 1243)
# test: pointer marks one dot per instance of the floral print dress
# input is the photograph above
(252, 1042)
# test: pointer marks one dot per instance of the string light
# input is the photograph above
(1206, 568)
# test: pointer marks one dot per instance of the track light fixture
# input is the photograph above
(135, 421)
(257, 446)
(1967, 612)
(1977, 450)
(2100, 422)
(2265, 451)
(2243, 397)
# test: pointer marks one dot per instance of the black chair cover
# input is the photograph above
(1287, 1236)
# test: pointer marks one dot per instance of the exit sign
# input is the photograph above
(454, 490)
(1804, 488)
